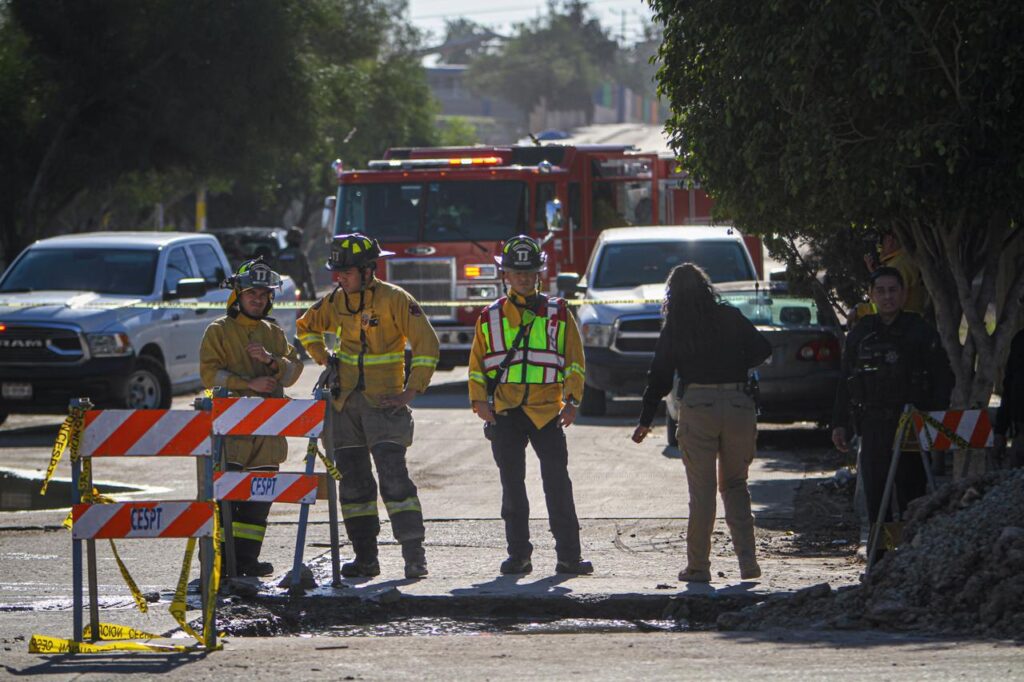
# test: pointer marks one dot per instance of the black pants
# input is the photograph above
(248, 524)
(359, 496)
(511, 435)
(877, 432)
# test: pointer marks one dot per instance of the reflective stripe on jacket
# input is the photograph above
(540, 355)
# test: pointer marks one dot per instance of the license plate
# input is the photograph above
(12, 391)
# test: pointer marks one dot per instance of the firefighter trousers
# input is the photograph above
(511, 434)
(248, 525)
(877, 431)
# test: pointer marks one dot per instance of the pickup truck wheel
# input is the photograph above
(148, 386)
(594, 403)
(671, 426)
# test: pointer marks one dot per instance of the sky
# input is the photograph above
(499, 15)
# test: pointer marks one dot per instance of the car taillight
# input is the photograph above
(819, 350)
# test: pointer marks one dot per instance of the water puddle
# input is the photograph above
(433, 626)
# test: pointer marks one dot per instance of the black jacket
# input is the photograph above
(1011, 409)
(736, 348)
(886, 366)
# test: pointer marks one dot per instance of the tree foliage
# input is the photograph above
(807, 118)
(559, 58)
(108, 107)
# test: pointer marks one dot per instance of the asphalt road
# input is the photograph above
(632, 505)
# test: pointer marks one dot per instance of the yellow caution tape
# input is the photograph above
(59, 445)
(140, 601)
(211, 597)
(178, 605)
(110, 632)
(41, 644)
(302, 305)
(331, 469)
(960, 441)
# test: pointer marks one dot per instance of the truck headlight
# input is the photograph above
(482, 291)
(109, 345)
(599, 335)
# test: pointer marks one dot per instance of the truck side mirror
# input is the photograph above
(553, 215)
(568, 284)
(190, 287)
(327, 219)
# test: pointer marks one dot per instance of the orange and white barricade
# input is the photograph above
(136, 433)
(274, 417)
(936, 431)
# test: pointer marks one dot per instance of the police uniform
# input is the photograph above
(544, 373)
(292, 261)
(224, 361)
(372, 328)
(884, 367)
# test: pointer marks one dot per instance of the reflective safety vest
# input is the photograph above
(540, 355)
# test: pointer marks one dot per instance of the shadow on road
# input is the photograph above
(108, 665)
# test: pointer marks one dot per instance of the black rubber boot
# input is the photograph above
(415, 559)
(516, 566)
(365, 565)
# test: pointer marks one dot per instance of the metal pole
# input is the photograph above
(876, 531)
(94, 598)
(332, 495)
(220, 456)
(76, 560)
(204, 491)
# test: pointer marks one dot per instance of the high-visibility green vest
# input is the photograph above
(540, 355)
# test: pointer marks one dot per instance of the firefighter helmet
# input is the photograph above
(354, 250)
(522, 253)
(252, 274)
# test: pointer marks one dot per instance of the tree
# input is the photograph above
(807, 118)
(90, 91)
(559, 58)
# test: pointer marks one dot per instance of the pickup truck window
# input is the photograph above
(178, 267)
(128, 272)
(629, 265)
(210, 268)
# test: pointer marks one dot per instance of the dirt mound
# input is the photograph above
(960, 569)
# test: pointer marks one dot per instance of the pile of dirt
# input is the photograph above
(960, 569)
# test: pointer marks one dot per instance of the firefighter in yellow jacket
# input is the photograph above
(372, 321)
(247, 352)
(525, 381)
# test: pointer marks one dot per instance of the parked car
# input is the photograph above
(631, 264)
(97, 315)
(798, 382)
(242, 243)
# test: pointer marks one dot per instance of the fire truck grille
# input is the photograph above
(24, 345)
(427, 279)
(637, 335)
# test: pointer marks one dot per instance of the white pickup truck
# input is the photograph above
(96, 315)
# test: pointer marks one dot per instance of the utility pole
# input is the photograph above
(201, 209)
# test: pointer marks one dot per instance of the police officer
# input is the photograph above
(890, 359)
(247, 353)
(373, 321)
(525, 382)
(292, 261)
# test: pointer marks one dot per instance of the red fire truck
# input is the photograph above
(445, 211)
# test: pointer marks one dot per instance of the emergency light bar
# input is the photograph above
(386, 164)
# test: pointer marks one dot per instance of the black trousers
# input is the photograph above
(511, 434)
(248, 524)
(877, 431)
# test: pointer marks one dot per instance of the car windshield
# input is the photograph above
(128, 272)
(631, 264)
(435, 211)
(768, 309)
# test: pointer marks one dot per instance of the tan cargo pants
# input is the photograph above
(718, 425)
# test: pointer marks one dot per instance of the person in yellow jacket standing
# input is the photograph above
(247, 353)
(525, 381)
(372, 321)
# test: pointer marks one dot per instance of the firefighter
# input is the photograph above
(292, 261)
(891, 358)
(372, 321)
(247, 353)
(525, 383)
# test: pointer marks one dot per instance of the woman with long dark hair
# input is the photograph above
(711, 345)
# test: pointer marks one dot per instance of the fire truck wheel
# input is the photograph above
(594, 403)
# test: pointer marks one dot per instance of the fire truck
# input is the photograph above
(445, 212)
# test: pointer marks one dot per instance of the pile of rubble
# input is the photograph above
(960, 569)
